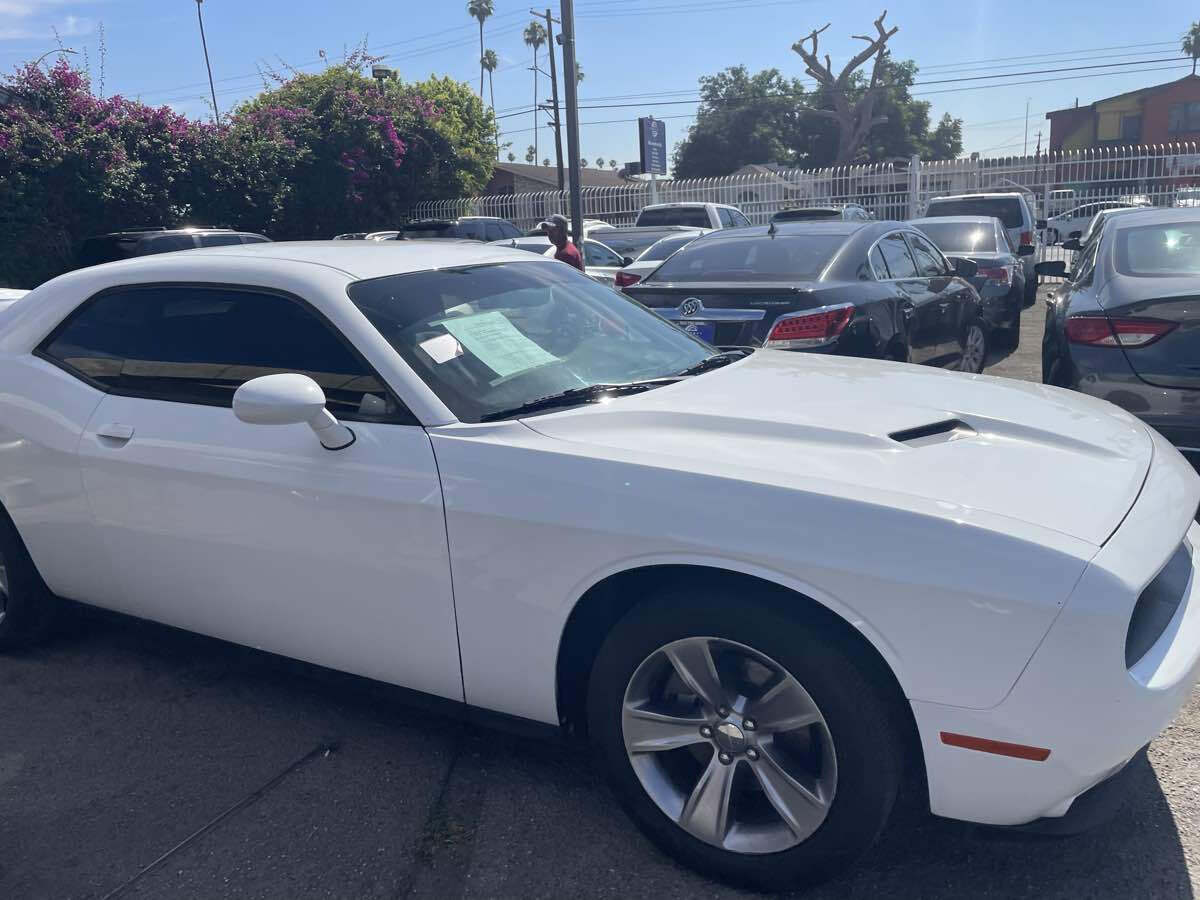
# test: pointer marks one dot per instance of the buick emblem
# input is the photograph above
(690, 306)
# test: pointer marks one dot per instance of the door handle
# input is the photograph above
(115, 431)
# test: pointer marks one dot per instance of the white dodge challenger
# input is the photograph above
(765, 584)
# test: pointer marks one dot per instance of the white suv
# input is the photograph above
(697, 215)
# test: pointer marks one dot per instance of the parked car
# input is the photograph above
(841, 212)
(695, 215)
(877, 289)
(471, 228)
(117, 245)
(351, 236)
(589, 225)
(1126, 325)
(1074, 222)
(633, 242)
(382, 236)
(1061, 200)
(1000, 277)
(296, 446)
(1187, 197)
(1077, 243)
(652, 257)
(602, 263)
(1012, 208)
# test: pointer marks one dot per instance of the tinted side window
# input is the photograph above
(899, 261)
(595, 254)
(725, 217)
(219, 240)
(878, 264)
(739, 219)
(493, 231)
(472, 230)
(509, 230)
(165, 244)
(929, 261)
(200, 344)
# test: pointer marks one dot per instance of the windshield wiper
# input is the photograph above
(589, 394)
(715, 361)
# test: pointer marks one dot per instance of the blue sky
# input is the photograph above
(627, 47)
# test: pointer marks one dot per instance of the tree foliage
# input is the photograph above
(767, 118)
(315, 155)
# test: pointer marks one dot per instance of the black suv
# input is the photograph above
(471, 228)
(117, 245)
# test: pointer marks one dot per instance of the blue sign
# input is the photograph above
(652, 135)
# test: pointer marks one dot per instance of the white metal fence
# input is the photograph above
(1154, 175)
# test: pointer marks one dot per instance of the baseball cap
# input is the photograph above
(556, 221)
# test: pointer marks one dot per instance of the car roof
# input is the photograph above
(357, 259)
(956, 220)
(791, 229)
(688, 203)
(1152, 216)
(978, 196)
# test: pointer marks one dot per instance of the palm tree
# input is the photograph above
(489, 61)
(535, 36)
(599, 162)
(583, 164)
(530, 155)
(481, 10)
(1190, 44)
(546, 161)
(612, 164)
(512, 157)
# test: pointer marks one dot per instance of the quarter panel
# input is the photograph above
(533, 522)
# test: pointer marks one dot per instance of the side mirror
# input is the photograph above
(626, 261)
(1072, 244)
(964, 268)
(1055, 268)
(1025, 250)
(1041, 223)
(290, 399)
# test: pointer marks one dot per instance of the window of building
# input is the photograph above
(1183, 117)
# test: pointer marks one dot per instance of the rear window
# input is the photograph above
(806, 215)
(780, 258)
(429, 230)
(696, 217)
(1159, 250)
(1006, 209)
(665, 248)
(960, 237)
(631, 244)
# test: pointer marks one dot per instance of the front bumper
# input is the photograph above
(1076, 697)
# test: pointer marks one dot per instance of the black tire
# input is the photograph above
(1010, 337)
(30, 610)
(826, 662)
(1031, 288)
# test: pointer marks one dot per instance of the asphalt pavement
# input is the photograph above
(139, 761)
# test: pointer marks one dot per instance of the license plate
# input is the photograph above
(705, 331)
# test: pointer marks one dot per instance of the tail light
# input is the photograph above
(625, 279)
(998, 274)
(1026, 237)
(1099, 331)
(800, 331)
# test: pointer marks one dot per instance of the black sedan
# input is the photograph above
(1000, 279)
(1126, 325)
(875, 289)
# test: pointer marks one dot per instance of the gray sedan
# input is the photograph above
(1126, 325)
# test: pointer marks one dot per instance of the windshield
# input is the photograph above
(758, 258)
(1163, 250)
(1006, 209)
(678, 215)
(489, 338)
(960, 237)
(666, 247)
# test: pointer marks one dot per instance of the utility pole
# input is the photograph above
(1025, 150)
(550, 20)
(208, 65)
(567, 11)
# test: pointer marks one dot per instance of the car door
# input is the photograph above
(253, 533)
(601, 262)
(920, 304)
(955, 301)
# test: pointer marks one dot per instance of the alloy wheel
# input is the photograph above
(974, 349)
(729, 745)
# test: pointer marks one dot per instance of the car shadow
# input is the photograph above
(495, 815)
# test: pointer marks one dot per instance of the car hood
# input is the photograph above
(880, 432)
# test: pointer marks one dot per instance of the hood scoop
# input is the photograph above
(934, 433)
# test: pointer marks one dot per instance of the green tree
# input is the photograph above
(612, 164)
(480, 10)
(512, 157)
(599, 162)
(583, 164)
(546, 161)
(530, 154)
(534, 36)
(946, 140)
(1189, 44)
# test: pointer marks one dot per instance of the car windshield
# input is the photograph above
(1006, 209)
(666, 247)
(675, 215)
(1159, 250)
(490, 338)
(960, 237)
(758, 258)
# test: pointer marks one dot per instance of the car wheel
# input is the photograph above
(1031, 287)
(28, 611)
(744, 743)
(974, 350)
(1011, 336)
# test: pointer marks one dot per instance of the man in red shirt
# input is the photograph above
(555, 228)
